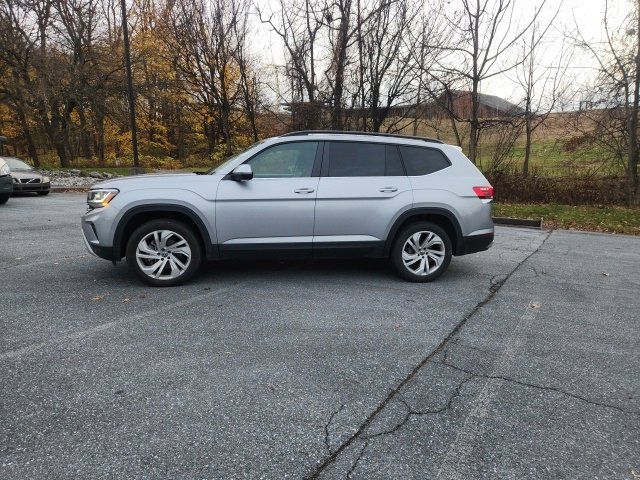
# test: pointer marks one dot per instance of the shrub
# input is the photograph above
(576, 190)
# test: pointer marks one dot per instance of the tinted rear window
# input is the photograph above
(394, 162)
(356, 159)
(422, 161)
(360, 159)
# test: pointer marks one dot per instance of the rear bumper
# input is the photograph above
(474, 244)
(31, 187)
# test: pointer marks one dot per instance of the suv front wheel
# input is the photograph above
(421, 252)
(164, 253)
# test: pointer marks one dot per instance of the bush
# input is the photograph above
(592, 190)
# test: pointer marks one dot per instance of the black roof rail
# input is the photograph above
(347, 132)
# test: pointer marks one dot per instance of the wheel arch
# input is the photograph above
(140, 214)
(442, 217)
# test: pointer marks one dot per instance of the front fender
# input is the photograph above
(201, 212)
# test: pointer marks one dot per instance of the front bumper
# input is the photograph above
(92, 243)
(95, 227)
(6, 185)
(31, 187)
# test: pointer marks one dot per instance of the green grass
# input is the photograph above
(549, 158)
(583, 217)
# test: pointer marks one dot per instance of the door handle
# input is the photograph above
(304, 190)
(389, 189)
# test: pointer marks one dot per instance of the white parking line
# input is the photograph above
(82, 334)
(452, 467)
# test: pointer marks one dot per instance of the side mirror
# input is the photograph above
(242, 172)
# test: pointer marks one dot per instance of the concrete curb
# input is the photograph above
(519, 222)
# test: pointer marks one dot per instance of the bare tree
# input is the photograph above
(298, 25)
(389, 64)
(205, 34)
(543, 84)
(615, 103)
(484, 36)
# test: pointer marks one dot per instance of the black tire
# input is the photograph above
(4, 199)
(43, 193)
(174, 226)
(399, 243)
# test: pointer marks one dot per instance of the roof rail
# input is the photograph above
(346, 132)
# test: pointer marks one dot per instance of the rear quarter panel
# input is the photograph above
(452, 189)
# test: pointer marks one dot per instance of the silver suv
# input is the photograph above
(413, 200)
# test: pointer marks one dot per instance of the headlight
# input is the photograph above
(15, 180)
(46, 179)
(101, 197)
(4, 170)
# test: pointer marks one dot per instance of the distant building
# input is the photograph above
(490, 106)
(307, 115)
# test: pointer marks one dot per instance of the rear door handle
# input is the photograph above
(304, 190)
(389, 189)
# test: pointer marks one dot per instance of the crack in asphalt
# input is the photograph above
(495, 285)
(353, 467)
(327, 434)
(409, 412)
(539, 387)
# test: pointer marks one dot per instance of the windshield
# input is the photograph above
(226, 162)
(16, 164)
(232, 158)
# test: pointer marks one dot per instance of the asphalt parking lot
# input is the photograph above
(520, 362)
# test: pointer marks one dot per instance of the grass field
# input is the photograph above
(594, 218)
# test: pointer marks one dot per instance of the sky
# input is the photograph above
(587, 14)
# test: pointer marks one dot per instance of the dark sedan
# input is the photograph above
(6, 187)
(26, 178)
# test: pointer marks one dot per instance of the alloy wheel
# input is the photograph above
(163, 254)
(423, 253)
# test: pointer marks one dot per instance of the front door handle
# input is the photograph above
(389, 189)
(303, 190)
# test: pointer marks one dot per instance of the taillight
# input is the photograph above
(484, 192)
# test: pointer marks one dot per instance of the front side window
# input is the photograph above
(360, 159)
(422, 161)
(287, 160)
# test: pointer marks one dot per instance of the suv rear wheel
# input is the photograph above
(164, 253)
(421, 252)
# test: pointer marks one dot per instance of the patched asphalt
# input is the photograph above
(520, 362)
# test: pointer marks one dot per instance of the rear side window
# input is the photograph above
(422, 161)
(394, 162)
(360, 159)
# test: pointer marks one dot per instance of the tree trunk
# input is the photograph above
(527, 146)
(100, 137)
(339, 65)
(26, 132)
(53, 129)
(85, 135)
(180, 135)
(474, 127)
(632, 163)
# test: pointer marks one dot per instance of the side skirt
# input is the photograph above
(304, 250)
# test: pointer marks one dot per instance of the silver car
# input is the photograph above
(415, 201)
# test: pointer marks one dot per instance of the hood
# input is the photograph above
(26, 174)
(153, 180)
